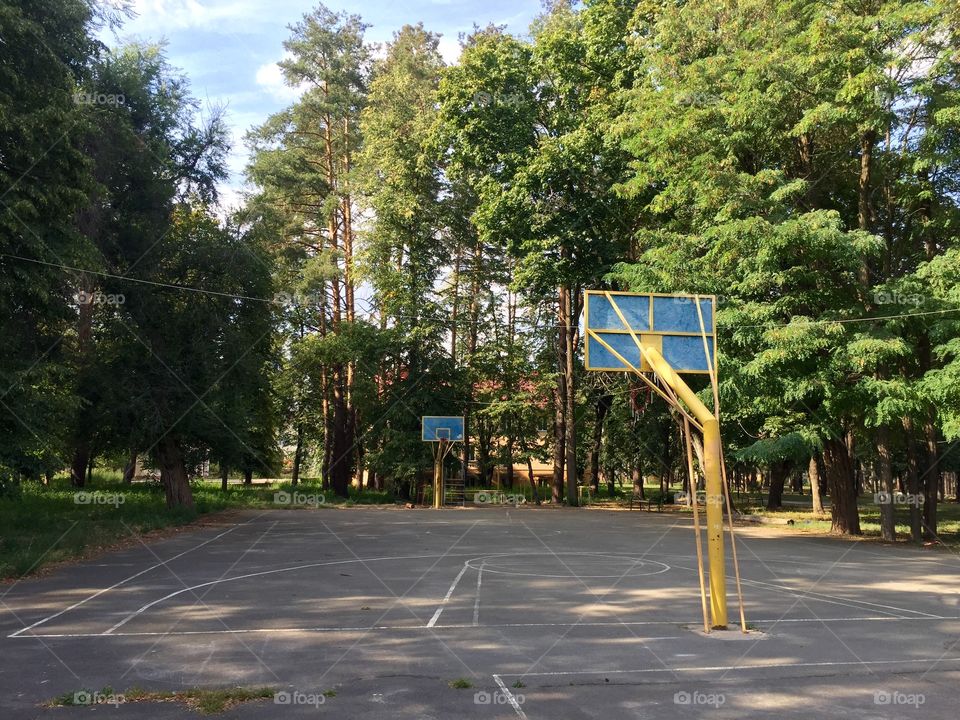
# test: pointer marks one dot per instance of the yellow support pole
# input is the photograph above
(723, 468)
(696, 523)
(713, 474)
(438, 458)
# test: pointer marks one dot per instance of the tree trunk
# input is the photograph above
(556, 485)
(347, 215)
(913, 481)
(326, 406)
(603, 407)
(533, 481)
(888, 524)
(224, 476)
(173, 473)
(636, 474)
(845, 514)
(570, 415)
(931, 479)
(358, 458)
(78, 467)
(340, 449)
(778, 477)
(297, 456)
(130, 469)
(468, 426)
(82, 431)
(455, 302)
(796, 483)
(248, 477)
(559, 407)
(484, 463)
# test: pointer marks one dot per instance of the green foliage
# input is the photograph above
(202, 357)
(418, 227)
(796, 163)
(44, 177)
(789, 448)
(402, 253)
(942, 383)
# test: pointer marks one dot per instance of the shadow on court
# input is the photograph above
(485, 613)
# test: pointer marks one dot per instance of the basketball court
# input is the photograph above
(544, 613)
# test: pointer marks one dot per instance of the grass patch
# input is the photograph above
(460, 684)
(204, 701)
(104, 696)
(50, 524)
(798, 508)
(948, 516)
(210, 702)
(43, 525)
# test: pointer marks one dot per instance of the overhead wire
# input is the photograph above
(253, 298)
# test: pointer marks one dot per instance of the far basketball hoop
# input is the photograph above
(443, 431)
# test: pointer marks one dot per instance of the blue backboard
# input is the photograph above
(435, 428)
(668, 323)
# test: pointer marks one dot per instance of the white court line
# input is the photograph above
(281, 631)
(432, 622)
(853, 564)
(126, 580)
(222, 580)
(510, 698)
(292, 568)
(686, 622)
(446, 598)
(726, 668)
(841, 600)
(826, 598)
(615, 556)
(476, 604)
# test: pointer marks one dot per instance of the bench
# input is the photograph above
(637, 500)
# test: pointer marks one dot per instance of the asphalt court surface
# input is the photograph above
(546, 613)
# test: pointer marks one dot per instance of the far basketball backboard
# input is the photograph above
(435, 428)
(671, 324)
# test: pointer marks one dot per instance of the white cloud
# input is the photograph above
(449, 48)
(226, 46)
(164, 15)
(269, 77)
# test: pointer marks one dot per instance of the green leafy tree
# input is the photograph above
(302, 167)
(146, 150)
(200, 370)
(45, 51)
(759, 151)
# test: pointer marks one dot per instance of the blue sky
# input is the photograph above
(229, 48)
